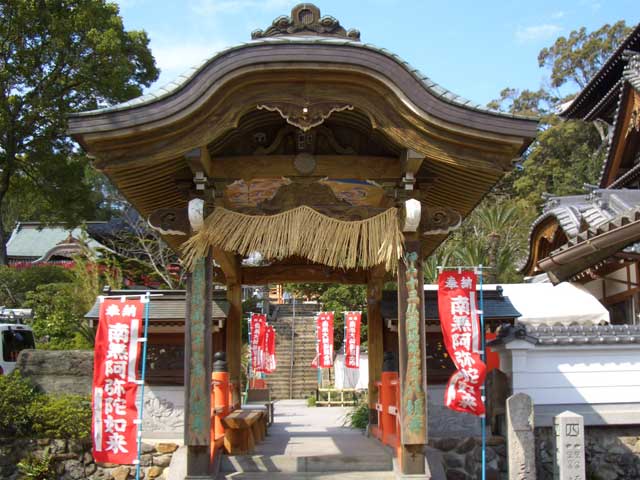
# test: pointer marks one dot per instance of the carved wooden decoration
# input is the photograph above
(634, 121)
(305, 115)
(305, 142)
(439, 220)
(412, 214)
(170, 221)
(305, 20)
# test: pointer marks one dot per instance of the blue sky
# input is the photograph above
(473, 48)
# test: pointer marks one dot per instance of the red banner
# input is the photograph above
(352, 339)
(115, 389)
(324, 339)
(270, 349)
(457, 300)
(258, 327)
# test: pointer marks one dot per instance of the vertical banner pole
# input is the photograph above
(484, 394)
(249, 363)
(146, 301)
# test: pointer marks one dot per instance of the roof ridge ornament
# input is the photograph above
(305, 19)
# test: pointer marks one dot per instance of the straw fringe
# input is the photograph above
(304, 232)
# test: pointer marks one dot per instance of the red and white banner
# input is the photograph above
(258, 328)
(352, 339)
(115, 389)
(324, 339)
(270, 349)
(457, 301)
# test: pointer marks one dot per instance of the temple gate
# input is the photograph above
(334, 159)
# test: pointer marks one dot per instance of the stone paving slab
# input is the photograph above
(312, 440)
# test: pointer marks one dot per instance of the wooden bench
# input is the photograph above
(261, 396)
(243, 428)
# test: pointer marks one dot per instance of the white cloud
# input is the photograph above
(183, 56)
(209, 7)
(558, 14)
(537, 32)
(176, 58)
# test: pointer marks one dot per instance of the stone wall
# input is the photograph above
(72, 459)
(58, 371)
(612, 453)
(462, 458)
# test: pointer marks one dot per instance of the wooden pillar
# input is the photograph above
(234, 339)
(375, 282)
(412, 363)
(198, 362)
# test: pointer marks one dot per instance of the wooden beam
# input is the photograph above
(229, 264)
(411, 338)
(375, 333)
(334, 166)
(234, 340)
(230, 267)
(411, 161)
(301, 273)
(198, 359)
(199, 160)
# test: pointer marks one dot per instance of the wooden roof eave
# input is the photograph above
(194, 94)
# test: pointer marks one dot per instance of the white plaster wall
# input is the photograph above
(573, 374)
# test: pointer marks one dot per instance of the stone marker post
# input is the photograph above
(569, 461)
(520, 439)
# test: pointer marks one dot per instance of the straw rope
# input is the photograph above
(304, 232)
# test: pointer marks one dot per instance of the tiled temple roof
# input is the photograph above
(572, 335)
(180, 82)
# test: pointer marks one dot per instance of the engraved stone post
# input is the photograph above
(569, 447)
(520, 439)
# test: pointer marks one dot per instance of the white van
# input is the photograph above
(14, 337)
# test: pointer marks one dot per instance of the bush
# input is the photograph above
(16, 395)
(62, 416)
(58, 322)
(38, 467)
(311, 401)
(358, 417)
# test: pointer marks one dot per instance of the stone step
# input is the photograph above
(308, 476)
(306, 464)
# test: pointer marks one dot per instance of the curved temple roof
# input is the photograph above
(304, 63)
(183, 80)
(306, 28)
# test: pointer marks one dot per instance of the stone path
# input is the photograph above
(310, 442)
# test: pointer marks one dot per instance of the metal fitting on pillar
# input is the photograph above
(389, 362)
(220, 362)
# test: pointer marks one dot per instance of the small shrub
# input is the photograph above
(62, 416)
(38, 467)
(358, 417)
(311, 401)
(16, 394)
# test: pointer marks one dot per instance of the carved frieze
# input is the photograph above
(317, 195)
(305, 115)
(305, 19)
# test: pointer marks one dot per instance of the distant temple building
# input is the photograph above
(594, 239)
(39, 243)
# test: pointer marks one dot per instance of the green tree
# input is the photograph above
(577, 58)
(59, 308)
(57, 57)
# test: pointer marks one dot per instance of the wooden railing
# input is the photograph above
(338, 399)
(388, 428)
